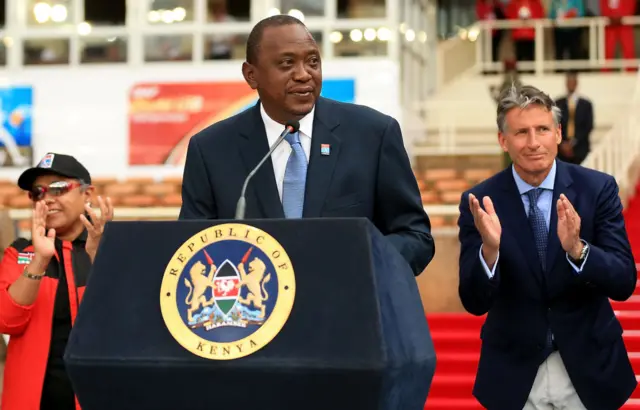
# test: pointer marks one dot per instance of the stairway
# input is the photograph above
(456, 337)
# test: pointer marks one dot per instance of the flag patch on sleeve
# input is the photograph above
(24, 258)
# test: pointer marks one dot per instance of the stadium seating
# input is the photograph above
(438, 186)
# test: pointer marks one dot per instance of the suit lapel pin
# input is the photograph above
(325, 149)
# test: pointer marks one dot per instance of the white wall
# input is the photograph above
(467, 105)
(83, 111)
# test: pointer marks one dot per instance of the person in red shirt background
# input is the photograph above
(615, 31)
(524, 38)
(491, 10)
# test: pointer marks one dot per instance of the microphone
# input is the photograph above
(291, 127)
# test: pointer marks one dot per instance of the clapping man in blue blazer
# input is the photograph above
(543, 249)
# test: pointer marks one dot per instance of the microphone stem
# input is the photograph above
(242, 202)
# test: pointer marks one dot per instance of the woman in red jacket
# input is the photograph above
(524, 38)
(615, 32)
(42, 281)
(492, 10)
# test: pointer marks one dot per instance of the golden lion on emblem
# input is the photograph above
(198, 285)
(254, 281)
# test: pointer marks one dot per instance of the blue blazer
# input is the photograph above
(522, 302)
(367, 174)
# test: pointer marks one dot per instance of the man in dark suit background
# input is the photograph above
(542, 256)
(346, 160)
(576, 122)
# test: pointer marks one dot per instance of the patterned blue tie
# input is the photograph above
(295, 176)
(538, 226)
(540, 235)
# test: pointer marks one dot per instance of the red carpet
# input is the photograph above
(456, 338)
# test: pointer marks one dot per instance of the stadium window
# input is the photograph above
(369, 42)
(51, 13)
(219, 11)
(168, 48)
(307, 8)
(170, 11)
(46, 51)
(6, 41)
(355, 9)
(105, 13)
(227, 46)
(96, 49)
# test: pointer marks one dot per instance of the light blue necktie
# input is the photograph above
(295, 176)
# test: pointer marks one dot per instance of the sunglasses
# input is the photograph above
(59, 188)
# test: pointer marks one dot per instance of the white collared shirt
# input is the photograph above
(280, 156)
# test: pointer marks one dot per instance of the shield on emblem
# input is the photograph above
(227, 281)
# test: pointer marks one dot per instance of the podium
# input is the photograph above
(344, 328)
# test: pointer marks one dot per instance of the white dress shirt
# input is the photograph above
(545, 203)
(280, 155)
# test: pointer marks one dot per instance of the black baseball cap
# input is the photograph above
(57, 164)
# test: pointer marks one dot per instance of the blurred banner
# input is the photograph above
(164, 116)
(16, 130)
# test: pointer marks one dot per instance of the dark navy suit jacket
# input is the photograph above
(583, 126)
(522, 301)
(367, 174)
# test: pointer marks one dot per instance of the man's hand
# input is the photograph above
(569, 228)
(488, 225)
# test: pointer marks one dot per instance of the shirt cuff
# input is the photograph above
(490, 272)
(573, 265)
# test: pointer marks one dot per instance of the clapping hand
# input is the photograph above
(43, 240)
(569, 227)
(488, 225)
(95, 226)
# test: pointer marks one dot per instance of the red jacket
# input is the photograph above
(513, 13)
(30, 327)
(625, 8)
(485, 10)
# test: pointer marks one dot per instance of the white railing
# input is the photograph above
(620, 147)
(468, 127)
(455, 58)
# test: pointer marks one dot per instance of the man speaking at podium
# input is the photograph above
(339, 160)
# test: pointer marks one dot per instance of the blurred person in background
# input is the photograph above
(524, 38)
(492, 10)
(42, 281)
(615, 32)
(567, 40)
(219, 46)
(576, 123)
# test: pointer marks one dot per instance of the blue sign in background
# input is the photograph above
(16, 105)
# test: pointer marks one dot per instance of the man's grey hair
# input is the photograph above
(523, 97)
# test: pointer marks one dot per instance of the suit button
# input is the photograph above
(540, 347)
